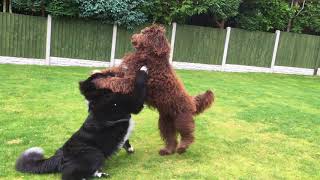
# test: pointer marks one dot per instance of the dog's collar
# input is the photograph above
(111, 123)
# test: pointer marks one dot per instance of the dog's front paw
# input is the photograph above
(142, 77)
(99, 174)
(181, 150)
(144, 68)
(165, 152)
(130, 150)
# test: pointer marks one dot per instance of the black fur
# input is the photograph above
(99, 136)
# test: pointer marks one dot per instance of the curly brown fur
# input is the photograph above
(165, 90)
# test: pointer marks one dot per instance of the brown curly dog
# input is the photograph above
(165, 91)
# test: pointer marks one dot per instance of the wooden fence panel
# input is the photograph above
(298, 50)
(22, 36)
(25, 36)
(81, 39)
(199, 44)
(250, 48)
(124, 46)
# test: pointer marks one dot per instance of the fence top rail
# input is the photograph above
(21, 15)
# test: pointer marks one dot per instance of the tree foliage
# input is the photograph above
(122, 12)
(302, 16)
(169, 11)
(222, 10)
(264, 15)
(29, 6)
(308, 19)
(160, 10)
(63, 8)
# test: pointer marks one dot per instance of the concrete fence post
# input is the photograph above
(173, 39)
(225, 51)
(275, 50)
(113, 46)
(48, 41)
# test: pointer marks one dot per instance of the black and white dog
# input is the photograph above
(106, 129)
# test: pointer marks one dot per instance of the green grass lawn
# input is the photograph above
(263, 126)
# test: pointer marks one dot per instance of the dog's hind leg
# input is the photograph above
(127, 146)
(168, 134)
(184, 124)
(83, 167)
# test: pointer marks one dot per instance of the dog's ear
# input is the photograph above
(89, 89)
(86, 88)
(156, 39)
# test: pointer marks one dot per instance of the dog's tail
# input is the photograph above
(204, 101)
(32, 161)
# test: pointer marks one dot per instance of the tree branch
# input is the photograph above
(304, 2)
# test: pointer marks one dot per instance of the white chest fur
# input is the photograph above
(129, 131)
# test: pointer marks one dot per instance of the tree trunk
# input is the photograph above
(221, 24)
(42, 8)
(293, 3)
(289, 25)
(32, 9)
(4, 6)
(10, 6)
